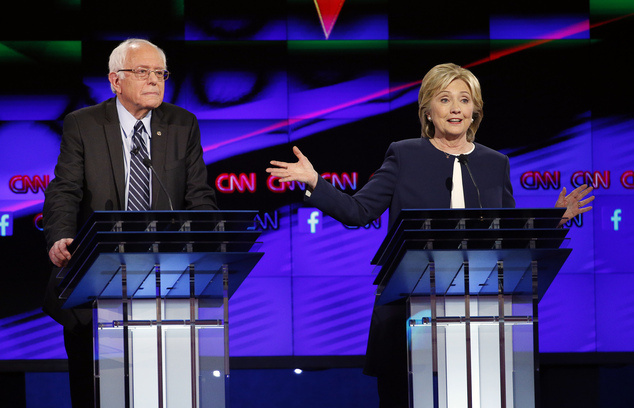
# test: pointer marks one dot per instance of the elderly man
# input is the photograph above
(100, 167)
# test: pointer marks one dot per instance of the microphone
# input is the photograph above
(148, 163)
(464, 159)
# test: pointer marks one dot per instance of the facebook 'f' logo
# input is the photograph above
(6, 224)
(313, 221)
(616, 217)
(309, 220)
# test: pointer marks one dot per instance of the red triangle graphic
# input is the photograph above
(328, 11)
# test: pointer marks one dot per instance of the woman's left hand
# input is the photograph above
(574, 202)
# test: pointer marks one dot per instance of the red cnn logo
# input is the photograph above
(342, 180)
(627, 179)
(533, 180)
(22, 184)
(274, 185)
(595, 179)
(231, 182)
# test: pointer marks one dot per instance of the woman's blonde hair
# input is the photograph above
(436, 80)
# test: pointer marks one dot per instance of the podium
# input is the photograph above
(472, 279)
(159, 283)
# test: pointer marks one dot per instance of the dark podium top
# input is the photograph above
(188, 248)
(480, 238)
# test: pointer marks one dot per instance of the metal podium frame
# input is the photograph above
(472, 279)
(159, 283)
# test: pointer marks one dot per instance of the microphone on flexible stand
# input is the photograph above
(464, 159)
(148, 163)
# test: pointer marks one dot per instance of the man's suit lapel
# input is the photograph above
(112, 128)
(158, 151)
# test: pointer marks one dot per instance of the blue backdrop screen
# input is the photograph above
(340, 82)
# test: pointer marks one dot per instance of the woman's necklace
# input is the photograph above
(437, 146)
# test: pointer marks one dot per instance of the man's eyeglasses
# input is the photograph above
(144, 73)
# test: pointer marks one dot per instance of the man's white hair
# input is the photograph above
(119, 54)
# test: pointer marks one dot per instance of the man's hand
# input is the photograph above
(59, 254)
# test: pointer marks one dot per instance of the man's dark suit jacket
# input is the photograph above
(90, 176)
(414, 175)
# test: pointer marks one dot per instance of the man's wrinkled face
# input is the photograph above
(139, 96)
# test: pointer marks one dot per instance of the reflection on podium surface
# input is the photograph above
(472, 280)
(160, 284)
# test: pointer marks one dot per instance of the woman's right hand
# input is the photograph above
(301, 171)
